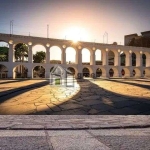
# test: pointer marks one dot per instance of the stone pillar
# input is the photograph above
(11, 74)
(47, 55)
(30, 72)
(47, 74)
(138, 74)
(79, 62)
(117, 73)
(147, 73)
(79, 57)
(11, 53)
(128, 59)
(105, 57)
(139, 60)
(92, 58)
(63, 56)
(147, 61)
(117, 58)
(30, 54)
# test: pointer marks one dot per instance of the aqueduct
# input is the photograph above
(111, 63)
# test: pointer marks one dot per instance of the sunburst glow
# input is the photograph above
(76, 34)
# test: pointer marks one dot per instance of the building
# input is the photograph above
(61, 76)
(142, 40)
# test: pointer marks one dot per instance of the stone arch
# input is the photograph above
(86, 56)
(147, 72)
(98, 72)
(41, 44)
(114, 72)
(20, 56)
(111, 58)
(70, 55)
(126, 72)
(86, 72)
(133, 58)
(111, 72)
(138, 72)
(4, 51)
(72, 69)
(147, 61)
(122, 58)
(39, 53)
(39, 72)
(122, 72)
(3, 71)
(133, 73)
(55, 55)
(20, 71)
(98, 57)
(144, 60)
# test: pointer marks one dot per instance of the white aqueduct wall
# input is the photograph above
(78, 66)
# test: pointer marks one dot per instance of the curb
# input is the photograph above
(79, 128)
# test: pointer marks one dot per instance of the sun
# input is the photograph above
(76, 34)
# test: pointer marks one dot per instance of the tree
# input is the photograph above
(39, 57)
(21, 52)
(4, 53)
(115, 43)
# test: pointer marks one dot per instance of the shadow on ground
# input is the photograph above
(91, 100)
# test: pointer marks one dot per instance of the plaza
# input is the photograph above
(87, 97)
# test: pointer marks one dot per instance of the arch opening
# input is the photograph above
(98, 57)
(133, 59)
(72, 70)
(3, 71)
(20, 71)
(55, 55)
(85, 56)
(133, 73)
(21, 52)
(143, 60)
(86, 72)
(38, 72)
(123, 58)
(98, 72)
(39, 54)
(70, 55)
(111, 58)
(4, 51)
(111, 72)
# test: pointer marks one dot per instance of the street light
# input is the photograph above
(105, 34)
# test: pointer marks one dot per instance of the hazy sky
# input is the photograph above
(90, 18)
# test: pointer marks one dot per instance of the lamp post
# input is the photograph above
(105, 34)
(11, 27)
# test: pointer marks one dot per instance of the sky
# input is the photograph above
(85, 20)
(90, 18)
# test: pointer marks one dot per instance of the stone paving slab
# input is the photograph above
(118, 139)
(90, 97)
(72, 122)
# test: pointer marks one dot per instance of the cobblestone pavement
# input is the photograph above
(92, 97)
